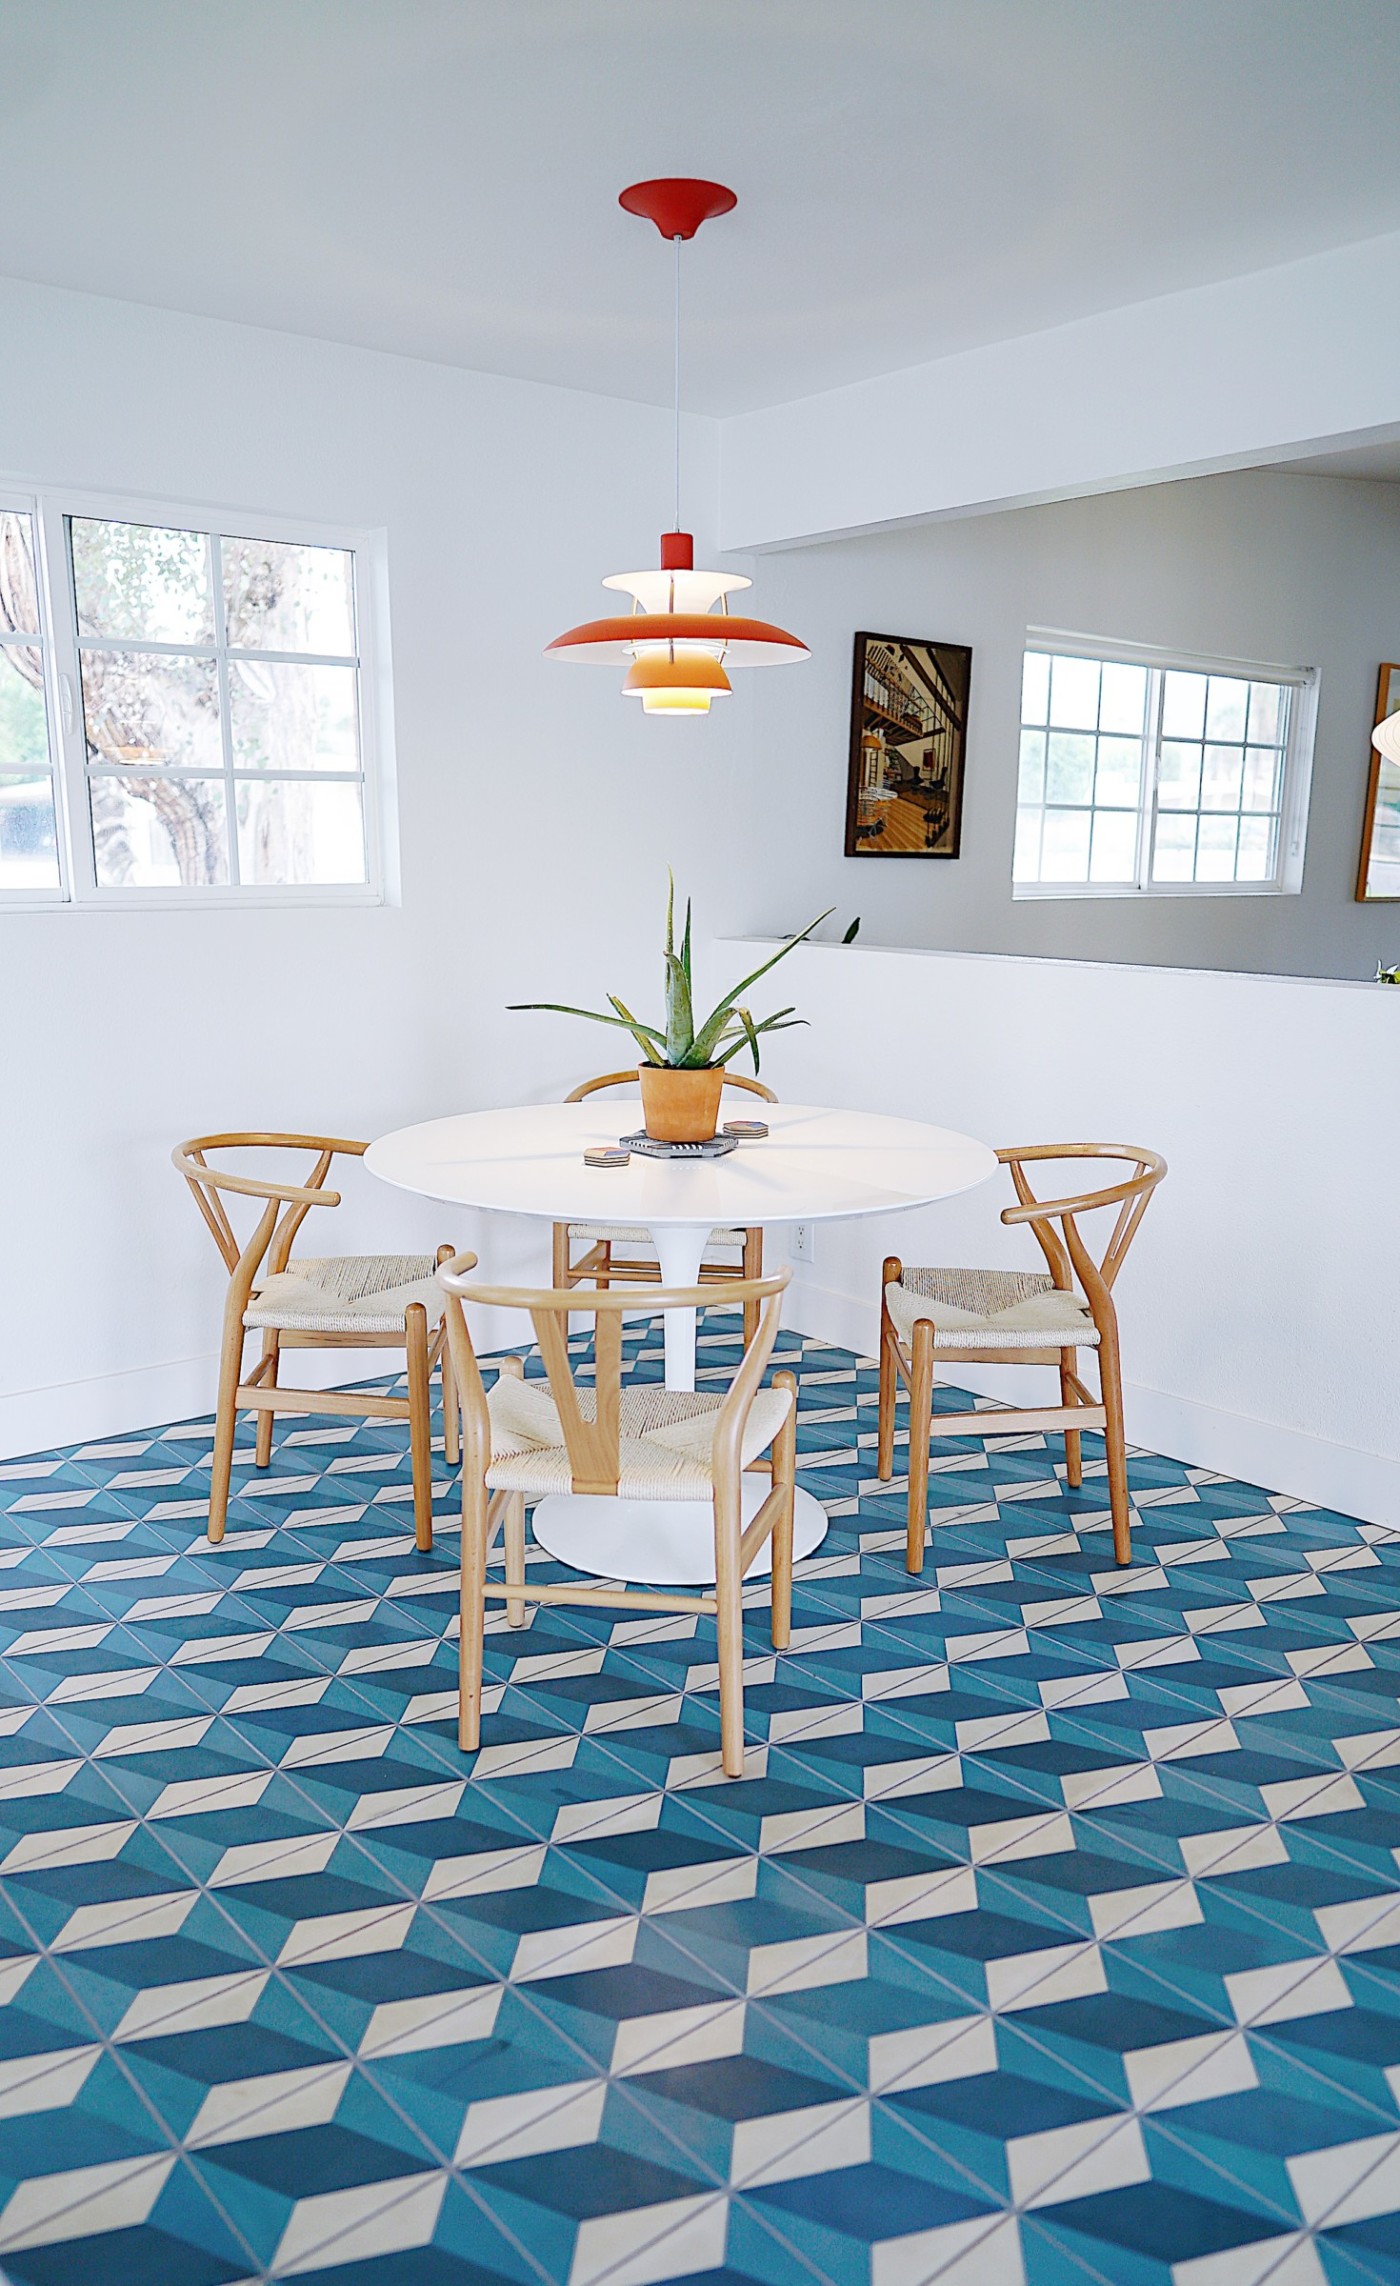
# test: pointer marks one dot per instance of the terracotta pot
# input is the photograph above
(680, 1107)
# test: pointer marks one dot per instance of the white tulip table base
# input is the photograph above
(664, 1543)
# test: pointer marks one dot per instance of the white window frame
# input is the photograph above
(51, 506)
(1297, 769)
(16, 499)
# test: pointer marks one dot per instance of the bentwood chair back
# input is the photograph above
(523, 1439)
(1013, 1317)
(601, 1260)
(345, 1301)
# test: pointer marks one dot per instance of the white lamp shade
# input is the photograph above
(677, 590)
(1386, 737)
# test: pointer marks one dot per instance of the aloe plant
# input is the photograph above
(682, 1045)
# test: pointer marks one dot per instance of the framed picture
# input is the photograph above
(908, 742)
(1378, 878)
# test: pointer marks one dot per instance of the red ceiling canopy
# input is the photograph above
(677, 204)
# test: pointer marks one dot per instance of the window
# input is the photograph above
(29, 865)
(181, 711)
(1142, 773)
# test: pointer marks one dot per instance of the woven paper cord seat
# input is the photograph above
(990, 1309)
(1041, 1318)
(664, 1448)
(346, 1293)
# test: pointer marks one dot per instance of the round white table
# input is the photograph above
(813, 1166)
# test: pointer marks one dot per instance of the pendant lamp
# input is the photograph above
(674, 642)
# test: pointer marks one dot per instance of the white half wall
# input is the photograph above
(1253, 369)
(537, 814)
(1258, 1303)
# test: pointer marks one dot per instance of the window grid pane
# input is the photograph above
(1220, 767)
(1139, 776)
(29, 850)
(1083, 749)
(213, 763)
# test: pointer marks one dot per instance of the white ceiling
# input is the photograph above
(914, 176)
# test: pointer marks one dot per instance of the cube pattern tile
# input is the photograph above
(1052, 1937)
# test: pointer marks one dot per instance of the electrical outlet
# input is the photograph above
(803, 1242)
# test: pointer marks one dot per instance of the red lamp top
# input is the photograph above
(677, 204)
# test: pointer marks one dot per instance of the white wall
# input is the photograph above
(1220, 376)
(1258, 1303)
(538, 812)
(1298, 570)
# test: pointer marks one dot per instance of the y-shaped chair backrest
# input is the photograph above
(594, 1446)
(1056, 1221)
(287, 1201)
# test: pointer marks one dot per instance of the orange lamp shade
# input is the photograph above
(745, 642)
(676, 682)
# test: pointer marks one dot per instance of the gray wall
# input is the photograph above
(1264, 565)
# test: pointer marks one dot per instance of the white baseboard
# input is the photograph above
(1266, 1453)
(120, 1404)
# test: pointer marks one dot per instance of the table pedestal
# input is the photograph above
(661, 1543)
(680, 1247)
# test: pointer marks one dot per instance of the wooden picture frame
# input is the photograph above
(904, 789)
(1378, 874)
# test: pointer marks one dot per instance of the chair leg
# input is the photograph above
(752, 1268)
(451, 1409)
(420, 1424)
(920, 1430)
(514, 1537)
(1111, 1377)
(262, 1450)
(889, 1386)
(225, 1424)
(472, 1643)
(729, 1629)
(1074, 1466)
(785, 1480)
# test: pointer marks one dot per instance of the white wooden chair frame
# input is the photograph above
(600, 1261)
(1056, 1227)
(264, 1255)
(594, 1460)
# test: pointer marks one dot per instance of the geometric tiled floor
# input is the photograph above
(1054, 1936)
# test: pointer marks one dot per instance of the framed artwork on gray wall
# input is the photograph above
(908, 746)
(1378, 880)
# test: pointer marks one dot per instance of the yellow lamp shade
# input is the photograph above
(674, 681)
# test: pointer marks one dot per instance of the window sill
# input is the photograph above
(1038, 892)
(193, 901)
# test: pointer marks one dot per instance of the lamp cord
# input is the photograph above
(678, 245)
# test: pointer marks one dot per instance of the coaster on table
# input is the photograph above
(606, 1156)
(745, 1130)
(717, 1147)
